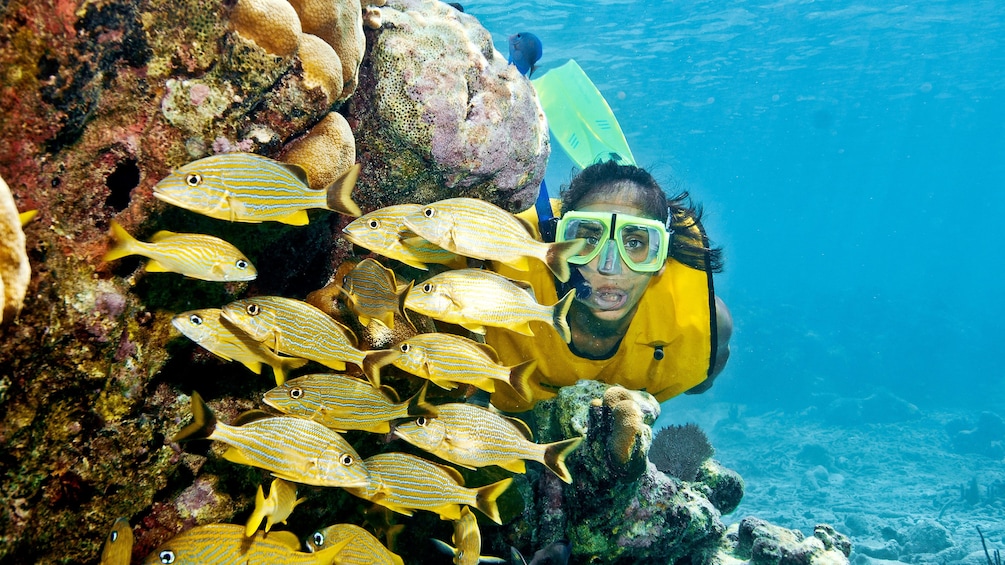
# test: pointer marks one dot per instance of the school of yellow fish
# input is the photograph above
(286, 334)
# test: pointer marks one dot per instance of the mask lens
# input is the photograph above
(640, 244)
(593, 231)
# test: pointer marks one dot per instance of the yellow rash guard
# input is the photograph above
(676, 315)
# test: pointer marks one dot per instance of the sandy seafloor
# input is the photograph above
(899, 489)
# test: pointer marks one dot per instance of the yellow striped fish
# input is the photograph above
(481, 230)
(275, 509)
(194, 255)
(342, 403)
(472, 437)
(118, 549)
(475, 298)
(292, 448)
(468, 541)
(363, 547)
(372, 292)
(245, 187)
(383, 231)
(448, 360)
(226, 544)
(293, 327)
(404, 482)
(205, 328)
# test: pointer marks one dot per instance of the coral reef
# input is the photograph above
(756, 542)
(102, 100)
(439, 113)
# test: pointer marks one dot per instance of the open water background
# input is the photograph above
(851, 160)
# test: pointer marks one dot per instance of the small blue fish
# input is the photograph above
(524, 51)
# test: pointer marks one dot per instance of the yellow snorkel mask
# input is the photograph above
(643, 243)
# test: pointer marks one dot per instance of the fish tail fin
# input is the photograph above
(125, 244)
(285, 365)
(555, 454)
(257, 515)
(557, 257)
(375, 360)
(559, 317)
(203, 422)
(519, 378)
(485, 500)
(417, 405)
(340, 193)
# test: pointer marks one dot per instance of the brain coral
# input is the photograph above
(340, 24)
(440, 112)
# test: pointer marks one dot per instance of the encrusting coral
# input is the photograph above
(15, 271)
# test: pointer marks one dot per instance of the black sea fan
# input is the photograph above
(679, 451)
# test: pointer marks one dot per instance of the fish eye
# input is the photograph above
(319, 539)
(167, 556)
(114, 536)
(346, 459)
(253, 309)
(429, 212)
(427, 288)
(404, 347)
(421, 421)
(241, 264)
(296, 393)
(373, 224)
(195, 319)
(193, 179)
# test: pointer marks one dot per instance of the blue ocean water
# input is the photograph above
(851, 160)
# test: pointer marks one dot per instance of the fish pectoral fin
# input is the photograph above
(480, 329)
(298, 218)
(235, 455)
(155, 266)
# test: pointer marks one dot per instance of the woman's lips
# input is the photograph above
(608, 298)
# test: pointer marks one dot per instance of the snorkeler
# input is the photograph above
(645, 316)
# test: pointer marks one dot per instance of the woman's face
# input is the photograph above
(616, 289)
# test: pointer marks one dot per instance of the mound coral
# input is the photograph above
(322, 66)
(271, 24)
(15, 272)
(340, 24)
(441, 114)
(325, 152)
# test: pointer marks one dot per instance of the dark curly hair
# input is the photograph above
(689, 245)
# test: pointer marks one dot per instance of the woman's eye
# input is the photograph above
(592, 240)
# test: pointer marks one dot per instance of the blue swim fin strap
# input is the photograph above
(547, 223)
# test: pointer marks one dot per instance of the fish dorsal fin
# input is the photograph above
(522, 427)
(251, 416)
(390, 393)
(162, 235)
(289, 539)
(297, 171)
(527, 225)
(489, 350)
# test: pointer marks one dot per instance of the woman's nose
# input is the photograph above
(610, 260)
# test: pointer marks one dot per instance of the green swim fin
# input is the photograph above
(580, 118)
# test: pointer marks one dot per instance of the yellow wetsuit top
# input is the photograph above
(668, 348)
